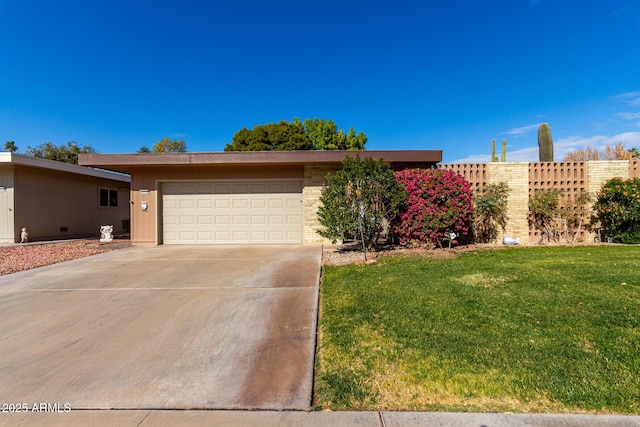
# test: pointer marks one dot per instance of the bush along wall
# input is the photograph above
(617, 209)
(439, 202)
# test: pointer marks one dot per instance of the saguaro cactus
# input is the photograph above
(545, 143)
(503, 155)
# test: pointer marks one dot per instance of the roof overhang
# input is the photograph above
(127, 162)
(35, 162)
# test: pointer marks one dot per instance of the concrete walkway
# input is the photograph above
(166, 327)
(309, 419)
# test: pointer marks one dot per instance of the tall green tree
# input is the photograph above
(281, 136)
(310, 134)
(325, 135)
(64, 153)
(168, 145)
(10, 146)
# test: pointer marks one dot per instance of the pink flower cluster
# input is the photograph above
(439, 202)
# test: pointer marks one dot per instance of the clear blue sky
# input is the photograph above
(447, 74)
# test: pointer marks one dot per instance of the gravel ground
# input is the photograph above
(16, 258)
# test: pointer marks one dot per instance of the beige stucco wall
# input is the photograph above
(146, 227)
(7, 234)
(47, 200)
(516, 175)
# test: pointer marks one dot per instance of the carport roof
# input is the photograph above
(127, 162)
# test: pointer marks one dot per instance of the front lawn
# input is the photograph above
(539, 329)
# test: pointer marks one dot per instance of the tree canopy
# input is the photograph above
(615, 152)
(310, 134)
(166, 145)
(64, 153)
(10, 146)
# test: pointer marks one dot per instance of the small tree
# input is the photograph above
(544, 209)
(617, 208)
(64, 153)
(490, 214)
(358, 199)
(167, 145)
(439, 202)
(10, 146)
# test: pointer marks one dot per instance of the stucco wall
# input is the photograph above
(47, 201)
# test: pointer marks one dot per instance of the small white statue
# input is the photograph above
(506, 240)
(105, 233)
(24, 236)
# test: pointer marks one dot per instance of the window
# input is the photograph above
(108, 198)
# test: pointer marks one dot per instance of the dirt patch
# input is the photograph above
(22, 257)
(343, 255)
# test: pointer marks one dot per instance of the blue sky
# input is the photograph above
(447, 75)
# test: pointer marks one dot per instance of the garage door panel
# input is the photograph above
(224, 213)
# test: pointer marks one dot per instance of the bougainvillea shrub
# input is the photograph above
(438, 202)
(617, 209)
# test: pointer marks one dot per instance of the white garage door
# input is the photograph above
(232, 212)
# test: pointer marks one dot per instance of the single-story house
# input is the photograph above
(269, 197)
(55, 200)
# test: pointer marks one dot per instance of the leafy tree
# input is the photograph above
(358, 200)
(10, 146)
(143, 149)
(615, 152)
(617, 208)
(324, 135)
(312, 134)
(64, 153)
(271, 137)
(635, 152)
(490, 212)
(168, 145)
(544, 208)
(439, 202)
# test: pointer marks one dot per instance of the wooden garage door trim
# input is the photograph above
(232, 211)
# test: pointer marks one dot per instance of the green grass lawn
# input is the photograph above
(539, 329)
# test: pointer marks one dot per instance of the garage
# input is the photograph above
(249, 212)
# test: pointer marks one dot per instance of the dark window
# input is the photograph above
(108, 198)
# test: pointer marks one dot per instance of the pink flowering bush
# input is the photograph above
(438, 202)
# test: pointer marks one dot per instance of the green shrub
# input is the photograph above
(490, 213)
(358, 199)
(617, 209)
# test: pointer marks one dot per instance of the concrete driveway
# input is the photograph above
(163, 327)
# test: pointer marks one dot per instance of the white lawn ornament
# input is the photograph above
(105, 233)
(24, 236)
(506, 240)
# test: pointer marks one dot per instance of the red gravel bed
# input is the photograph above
(28, 256)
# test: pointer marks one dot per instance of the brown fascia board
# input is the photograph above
(127, 162)
(34, 162)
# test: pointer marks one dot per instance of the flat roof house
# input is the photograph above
(55, 200)
(266, 197)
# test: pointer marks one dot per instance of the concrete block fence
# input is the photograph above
(524, 179)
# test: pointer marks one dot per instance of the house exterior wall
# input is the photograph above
(47, 201)
(7, 208)
(146, 226)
